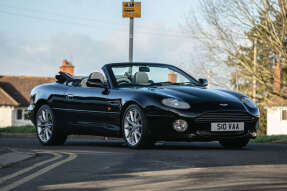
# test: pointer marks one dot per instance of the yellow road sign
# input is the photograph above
(131, 9)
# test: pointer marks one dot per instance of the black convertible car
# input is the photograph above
(143, 103)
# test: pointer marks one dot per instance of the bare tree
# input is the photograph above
(228, 29)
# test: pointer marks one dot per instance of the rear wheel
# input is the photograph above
(135, 128)
(234, 144)
(48, 131)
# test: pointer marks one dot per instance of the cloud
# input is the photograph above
(153, 42)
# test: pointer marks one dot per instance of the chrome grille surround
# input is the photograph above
(203, 122)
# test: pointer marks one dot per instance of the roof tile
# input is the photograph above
(6, 100)
(19, 87)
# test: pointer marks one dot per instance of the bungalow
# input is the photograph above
(15, 96)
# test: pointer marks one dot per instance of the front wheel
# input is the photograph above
(48, 132)
(135, 128)
(234, 144)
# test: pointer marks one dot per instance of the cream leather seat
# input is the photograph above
(84, 82)
(141, 78)
(94, 75)
(97, 75)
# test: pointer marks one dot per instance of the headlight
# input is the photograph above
(247, 101)
(174, 103)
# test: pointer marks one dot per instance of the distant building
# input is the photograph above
(277, 111)
(277, 120)
(15, 96)
(277, 116)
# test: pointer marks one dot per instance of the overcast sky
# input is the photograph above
(35, 36)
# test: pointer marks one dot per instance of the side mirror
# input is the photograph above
(203, 82)
(96, 83)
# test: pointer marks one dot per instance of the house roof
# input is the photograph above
(6, 99)
(19, 88)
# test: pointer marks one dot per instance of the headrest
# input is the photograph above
(141, 78)
(97, 75)
(84, 82)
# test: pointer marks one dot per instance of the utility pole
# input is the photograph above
(131, 38)
(254, 69)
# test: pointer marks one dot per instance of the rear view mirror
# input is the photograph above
(144, 69)
(203, 82)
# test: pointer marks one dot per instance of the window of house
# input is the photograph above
(284, 114)
(26, 116)
(19, 114)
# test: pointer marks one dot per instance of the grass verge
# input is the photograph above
(20, 129)
(268, 139)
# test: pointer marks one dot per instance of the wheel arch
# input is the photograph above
(38, 105)
(146, 137)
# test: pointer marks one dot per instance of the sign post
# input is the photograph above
(131, 39)
(131, 10)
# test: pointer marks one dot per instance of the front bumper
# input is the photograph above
(199, 126)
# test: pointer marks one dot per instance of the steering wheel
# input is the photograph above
(124, 81)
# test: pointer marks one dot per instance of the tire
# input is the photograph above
(48, 131)
(234, 144)
(135, 128)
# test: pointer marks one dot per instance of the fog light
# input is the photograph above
(253, 134)
(180, 125)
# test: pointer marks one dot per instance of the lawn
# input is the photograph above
(20, 129)
(268, 139)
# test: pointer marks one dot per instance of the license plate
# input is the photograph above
(227, 126)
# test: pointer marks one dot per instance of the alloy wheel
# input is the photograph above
(45, 125)
(133, 125)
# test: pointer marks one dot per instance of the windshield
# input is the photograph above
(150, 75)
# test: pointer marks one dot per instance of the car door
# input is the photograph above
(92, 110)
(58, 102)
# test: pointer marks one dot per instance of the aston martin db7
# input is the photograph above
(141, 103)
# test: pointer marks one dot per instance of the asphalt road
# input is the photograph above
(109, 165)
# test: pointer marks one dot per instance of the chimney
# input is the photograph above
(277, 77)
(67, 67)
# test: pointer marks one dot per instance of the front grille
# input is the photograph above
(225, 117)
